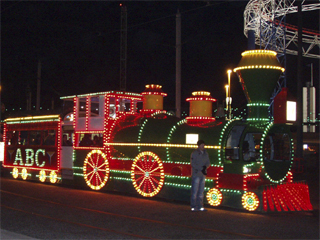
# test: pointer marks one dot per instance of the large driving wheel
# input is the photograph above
(96, 169)
(147, 174)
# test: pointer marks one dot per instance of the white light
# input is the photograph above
(229, 100)
(291, 111)
(246, 170)
(192, 138)
(305, 146)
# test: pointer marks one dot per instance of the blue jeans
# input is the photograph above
(197, 189)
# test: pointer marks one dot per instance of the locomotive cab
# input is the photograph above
(264, 149)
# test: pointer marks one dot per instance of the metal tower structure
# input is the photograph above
(123, 48)
(267, 19)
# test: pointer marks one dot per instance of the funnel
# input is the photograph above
(258, 73)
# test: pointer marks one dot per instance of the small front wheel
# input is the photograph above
(214, 197)
(250, 201)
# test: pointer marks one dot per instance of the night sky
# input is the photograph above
(78, 43)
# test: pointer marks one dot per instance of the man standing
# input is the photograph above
(199, 164)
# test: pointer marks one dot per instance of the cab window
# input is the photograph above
(232, 146)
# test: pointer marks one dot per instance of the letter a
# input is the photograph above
(18, 158)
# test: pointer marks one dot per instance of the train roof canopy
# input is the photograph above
(131, 94)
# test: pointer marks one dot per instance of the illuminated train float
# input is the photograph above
(126, 142)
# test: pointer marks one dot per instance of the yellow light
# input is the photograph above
(258, 67)
(24, 174)
(53, 177)
(201, 93)
(32, 118)
(250, 201)
(153, 86)
(201, 99)
(15, 173)
(200, 118)
(214, 197)
(259, 51)
(88, 131)
(165, 145)
(227, 91)
(42, 176)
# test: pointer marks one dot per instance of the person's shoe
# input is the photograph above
(203, 209)
(193, 210)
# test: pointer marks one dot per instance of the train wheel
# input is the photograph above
(24, 173)
(53, 177)
(96, 169)
(42, 176)
(214, 197)
(15, 173)
(147, 174)
(250, 201)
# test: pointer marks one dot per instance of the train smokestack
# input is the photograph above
(258, 73)
(153, 98)
(201, 104)
(200, 108)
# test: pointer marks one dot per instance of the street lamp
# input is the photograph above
(227, 98)
(229, 93)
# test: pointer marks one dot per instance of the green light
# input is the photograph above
(183, 121)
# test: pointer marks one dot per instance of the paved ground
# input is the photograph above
(154, 219)
(4, 234)
(45, 211)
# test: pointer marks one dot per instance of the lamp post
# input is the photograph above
(229, 93)
(227, 99)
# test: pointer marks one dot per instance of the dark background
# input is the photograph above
(78, 43)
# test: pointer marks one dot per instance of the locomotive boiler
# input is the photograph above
(117, 145)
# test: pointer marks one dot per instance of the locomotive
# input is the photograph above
(124, 141)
